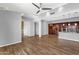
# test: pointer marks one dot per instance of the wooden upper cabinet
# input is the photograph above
(56, 27)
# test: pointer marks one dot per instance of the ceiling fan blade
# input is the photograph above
(37, 11)
(52, 13)
(36, 5)
(46, 8)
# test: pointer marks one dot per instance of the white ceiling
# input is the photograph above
(27, 8)
(69, 10)
(30, 10)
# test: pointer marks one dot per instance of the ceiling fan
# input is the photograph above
(40, 7)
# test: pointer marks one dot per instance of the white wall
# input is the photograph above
(32, 28)
(37, 28)
(26, 28)
(10, 28)
(29, 28)
(44, 28)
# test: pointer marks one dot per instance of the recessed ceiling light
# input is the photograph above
(75, 24)
(22, 14)
(60, 9)
(47, 14)
(63, 24)
(69, 24)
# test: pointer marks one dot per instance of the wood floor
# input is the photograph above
(47, 45)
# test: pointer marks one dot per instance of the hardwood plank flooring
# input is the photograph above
(47, 45)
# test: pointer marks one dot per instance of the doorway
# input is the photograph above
(22, 29)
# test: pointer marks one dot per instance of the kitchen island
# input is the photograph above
(69, 36)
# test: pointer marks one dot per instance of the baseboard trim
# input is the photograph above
(10, 44)
(70, 39)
